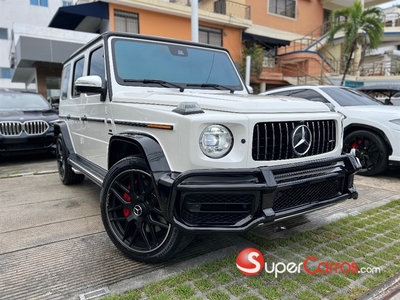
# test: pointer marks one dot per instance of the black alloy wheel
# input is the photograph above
(65, 172)
(370, 149)
(132, 217)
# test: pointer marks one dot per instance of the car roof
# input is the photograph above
(290, 87)
(108, 34)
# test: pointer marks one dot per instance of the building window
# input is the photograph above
(285, 8)
(6, 73)
(211, 36)
(39, 2)
(3, 34)
(66, 3)
(125, 21)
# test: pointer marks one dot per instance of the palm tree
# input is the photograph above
(361, 28)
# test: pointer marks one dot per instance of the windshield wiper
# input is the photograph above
(160, 82)
(213, 85)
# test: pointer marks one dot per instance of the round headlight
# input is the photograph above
(216, 141)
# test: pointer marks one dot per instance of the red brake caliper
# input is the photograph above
(127, 211)
(356, 144)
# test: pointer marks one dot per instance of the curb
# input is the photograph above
(29, 174)
(383, 291)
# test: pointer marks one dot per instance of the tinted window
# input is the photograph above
(78, 72)
(138, 60)
(96, 63)
(309, 95)
(349, 97)
(3, 33)
(22, 101)
(65, 81)
(284, 93)
(397, 95)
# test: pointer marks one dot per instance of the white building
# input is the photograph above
(30, 12)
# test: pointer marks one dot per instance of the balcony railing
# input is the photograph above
(224, 7)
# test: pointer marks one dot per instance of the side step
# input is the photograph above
(89, 169)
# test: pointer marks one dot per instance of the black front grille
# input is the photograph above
(311, 193)
(216, 209)
(273, 140)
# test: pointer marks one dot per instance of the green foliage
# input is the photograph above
(256, 52)
(362, 28)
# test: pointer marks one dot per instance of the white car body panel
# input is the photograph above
(374, 116)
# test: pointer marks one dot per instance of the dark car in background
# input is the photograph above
(26, 123)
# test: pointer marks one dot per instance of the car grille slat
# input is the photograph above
(13, 128)
(216, 209)
(312, 193)
(273, 140)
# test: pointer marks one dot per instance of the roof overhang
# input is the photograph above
(269, 36)
(69, 17)
(338, 4)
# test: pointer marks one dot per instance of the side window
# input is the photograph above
(309, 95)
(284, 93)
(65, 81)
(96, 63)
(78, 72)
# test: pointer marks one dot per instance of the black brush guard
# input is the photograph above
(236, 200)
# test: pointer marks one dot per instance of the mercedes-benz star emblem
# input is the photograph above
(301, 140)
(137, 210)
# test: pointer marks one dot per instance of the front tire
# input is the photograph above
(132, 217)
(65, 172)
(370, 149)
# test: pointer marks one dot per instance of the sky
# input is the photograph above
(389, 4)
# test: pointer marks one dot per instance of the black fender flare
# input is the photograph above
(141, 144)
(124, 145)
(62, 127)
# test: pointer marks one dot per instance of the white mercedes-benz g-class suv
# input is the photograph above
(169, 132)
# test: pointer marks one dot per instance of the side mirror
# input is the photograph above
(91, 84)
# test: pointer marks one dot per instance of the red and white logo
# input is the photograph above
(250, 261)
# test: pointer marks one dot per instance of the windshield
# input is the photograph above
(192, 67)
(22, 101)
(349, 97)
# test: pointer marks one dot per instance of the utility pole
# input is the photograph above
(195, 20)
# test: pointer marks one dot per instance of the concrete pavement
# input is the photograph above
(53, 245)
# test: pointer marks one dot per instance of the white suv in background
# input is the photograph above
(169, 131)
(370, 128)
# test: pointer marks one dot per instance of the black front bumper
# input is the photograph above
(24, 143)
(236, 200)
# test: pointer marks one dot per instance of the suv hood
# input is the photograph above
(225, 102)
(22, 116)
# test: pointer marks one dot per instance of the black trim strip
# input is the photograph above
(98, 120)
